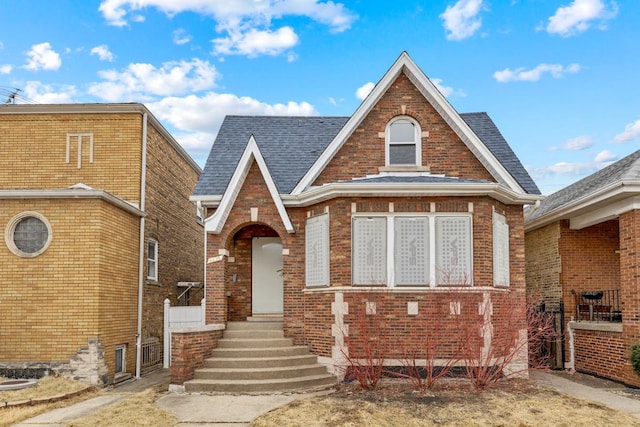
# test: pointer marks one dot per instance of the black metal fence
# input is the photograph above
(598, 305)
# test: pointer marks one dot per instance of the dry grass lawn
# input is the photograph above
(137, 410)
(517, 403)
(46, 387)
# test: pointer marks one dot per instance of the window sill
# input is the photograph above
(407, 168)
(596, 326)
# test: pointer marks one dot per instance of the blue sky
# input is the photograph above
(559, 78)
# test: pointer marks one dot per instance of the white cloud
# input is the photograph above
(245, 25)
(447, 91)
(42, 57)
(575, 169)
(579, 16)
(605, 158)
(141, 82)
(180, 37)
(520, 74)
(254, 42)
(46, 94)
(363, 91)
(199, 117)
(578, 143)
(631, 131)
(461, 20)
(103, 52)
(5, 69)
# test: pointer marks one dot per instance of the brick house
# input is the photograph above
(407, 209)
(582, 247)
(95, 211)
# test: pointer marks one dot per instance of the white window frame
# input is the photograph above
(317, 226)
(417, 142)
(501, 272)
(78, 137)
(432, 238)
(152, 273)
(122, 347)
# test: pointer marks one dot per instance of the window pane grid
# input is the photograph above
(369, 251)
(453, 250)
(30, 235)
(411, 251)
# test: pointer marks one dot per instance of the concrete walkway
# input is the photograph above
(585, 387)
(194, 410)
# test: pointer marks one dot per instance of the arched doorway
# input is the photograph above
(266, 280)
(254, 286)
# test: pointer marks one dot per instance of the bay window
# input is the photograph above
(412, 249)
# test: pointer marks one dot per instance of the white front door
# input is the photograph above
(266, 280)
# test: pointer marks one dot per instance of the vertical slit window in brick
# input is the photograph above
(317, 250)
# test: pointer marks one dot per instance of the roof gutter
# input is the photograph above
(353, 189)
(618, 190)
(72, 194)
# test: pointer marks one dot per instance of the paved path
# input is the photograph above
(601, 391)
(194, 410)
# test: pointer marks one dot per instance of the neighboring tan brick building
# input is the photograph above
(582, 246)
(407, 210)
(77, 184)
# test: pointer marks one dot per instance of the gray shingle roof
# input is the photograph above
(626, 168)
(291, 145)
(487, 131)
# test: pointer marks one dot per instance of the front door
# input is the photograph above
(266, 280)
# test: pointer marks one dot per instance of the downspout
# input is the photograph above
(143, 182)
(202, 212)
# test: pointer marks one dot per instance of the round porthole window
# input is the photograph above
(28, 234)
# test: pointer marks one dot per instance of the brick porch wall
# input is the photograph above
(602, 354)
(190, 348)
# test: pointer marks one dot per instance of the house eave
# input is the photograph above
(71, 194)
(320, 194)
(606, 203)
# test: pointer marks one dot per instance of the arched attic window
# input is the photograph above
(403, 143)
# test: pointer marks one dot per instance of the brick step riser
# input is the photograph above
(258, 387)
(254, 326)
(255, 343)
(242, 334)
(259, 352)
(269, 374)
(218, 362)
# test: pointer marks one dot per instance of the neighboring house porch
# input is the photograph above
(582, 248)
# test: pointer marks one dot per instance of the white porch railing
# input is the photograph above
(179, 317)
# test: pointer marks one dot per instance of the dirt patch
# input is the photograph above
(453, 403)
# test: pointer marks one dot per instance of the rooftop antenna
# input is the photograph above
(11, 99)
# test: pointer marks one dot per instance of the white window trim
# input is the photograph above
(431, 216)
(501, 262)
(122, 347)
(324, 219)
(152, 277)
(11, 227)
(418, 142)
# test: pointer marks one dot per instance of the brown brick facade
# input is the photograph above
(600, 257)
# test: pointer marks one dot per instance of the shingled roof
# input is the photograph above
(291, 145)
(626, 169)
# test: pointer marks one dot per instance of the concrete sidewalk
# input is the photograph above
(585, 387)
(195, 410)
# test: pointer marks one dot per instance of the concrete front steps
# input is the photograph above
(254, 357)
